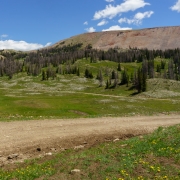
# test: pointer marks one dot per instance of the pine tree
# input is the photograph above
(163, 64)
(158, 68)
(119, 67)
(47, 74)
(100, 77)
(107, 84)
(90, 75)
(144, 83)
(78, 72)
(116, 79)
(110, 81)
(171, 69)
(151, 68)
(132, 78)
(113, 75)
(43, 75)
(86, 74)
(135, 79)
(124, 78)
(145, 67)
(139, 80)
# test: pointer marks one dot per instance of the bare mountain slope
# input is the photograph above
(151, 38)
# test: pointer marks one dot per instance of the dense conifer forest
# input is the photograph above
(61, 60)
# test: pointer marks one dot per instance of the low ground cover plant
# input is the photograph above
(153, 156)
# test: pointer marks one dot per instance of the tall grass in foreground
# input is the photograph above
(154, 156)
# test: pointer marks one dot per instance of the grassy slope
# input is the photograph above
(155, 156)
(69, 96)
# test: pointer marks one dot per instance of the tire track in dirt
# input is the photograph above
(24, 137)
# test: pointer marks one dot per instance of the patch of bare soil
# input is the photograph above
(151, 38)
(28, 139)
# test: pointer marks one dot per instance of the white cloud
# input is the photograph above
(20, 45)
(91, 29)
(141, 16)
(176, 7)
(103, 22)
(109, 0)
(111, 11)
(86, 23)
(137, 19)
(4, 36)
(123, 20)
(116, 27)
(48, 44)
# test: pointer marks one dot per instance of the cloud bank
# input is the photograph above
(176, 7)
(91, 29)
(21, 45)
(85, 23)
(109, 1)
(4, 36)
(137, 19)
(116, 27)
(103, 22)
(111, 11)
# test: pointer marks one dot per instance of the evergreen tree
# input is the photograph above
(78, 72)
(86, 73)
(139, 80)
(132, 78)
(113, 75)
(43, 75)
(144, 83)
(90, 75)
(151, 68)
(124, 78)
(171, 69)
(145, 67)
(163, 64)
(119, 67)
(100, 77)
(110, 81)
(158, 68)
(107, 71)
(107, 84)
(116, 79)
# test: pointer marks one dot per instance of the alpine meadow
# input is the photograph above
(100, 105)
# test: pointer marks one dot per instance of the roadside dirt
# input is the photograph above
(28, 139)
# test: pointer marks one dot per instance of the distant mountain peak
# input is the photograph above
(150, 38)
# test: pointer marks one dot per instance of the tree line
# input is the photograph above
(61, 60)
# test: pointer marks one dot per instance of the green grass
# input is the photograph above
(153, 156)
(81, 104)
(69, 96)
(104, 65)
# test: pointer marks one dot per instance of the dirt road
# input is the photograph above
(28, 139)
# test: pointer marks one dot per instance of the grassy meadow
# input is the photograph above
(154, 156)
(69, 96)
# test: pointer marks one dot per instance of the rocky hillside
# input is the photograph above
(151, 38)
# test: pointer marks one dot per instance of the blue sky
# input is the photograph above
(33, 24)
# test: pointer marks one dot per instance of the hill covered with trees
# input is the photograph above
(53, 62)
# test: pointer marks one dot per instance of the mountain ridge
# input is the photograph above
(161, 38)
